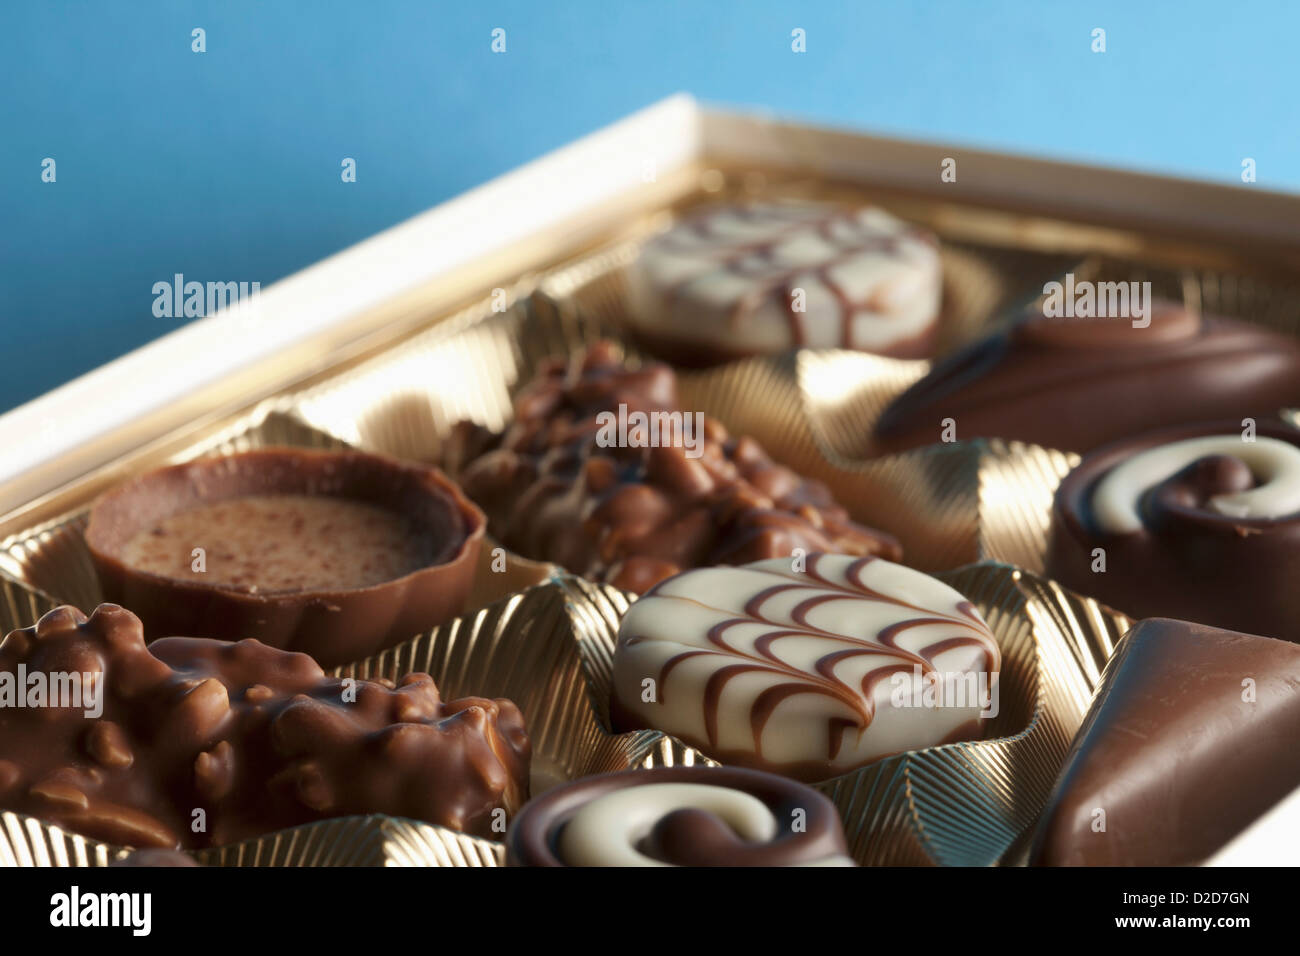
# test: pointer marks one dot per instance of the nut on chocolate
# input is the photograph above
(634, 515)
(203, 743)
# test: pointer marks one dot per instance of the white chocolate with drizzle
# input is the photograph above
(726, 278)
(802, 672)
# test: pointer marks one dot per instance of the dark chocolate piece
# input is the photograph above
(222, 596)
(555, 491)
(1190, 737)
(1187, 551)
(679, 816)
(193, 742)
(1075, 384)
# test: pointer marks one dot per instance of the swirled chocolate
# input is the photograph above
(568, 483)
(737, 280)
(809, 673)
(680, 816)
(1191, 736)
(192, 742)
(1194, 522)
(1076, 384)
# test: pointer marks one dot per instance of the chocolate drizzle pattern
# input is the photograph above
(832, 636)
(732, 262)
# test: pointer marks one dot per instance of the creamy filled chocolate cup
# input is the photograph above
(679, 816)
(336, 554)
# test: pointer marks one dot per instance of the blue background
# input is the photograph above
(225, 165)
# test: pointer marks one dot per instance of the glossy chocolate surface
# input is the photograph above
(1187, 559)
(1076, 384)
(636, 515)
(201, 743)
(1190, 737)
(681, 826)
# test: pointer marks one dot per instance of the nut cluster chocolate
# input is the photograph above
(192, 742)
(632, 513)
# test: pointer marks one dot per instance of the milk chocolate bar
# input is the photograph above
(1190, 737)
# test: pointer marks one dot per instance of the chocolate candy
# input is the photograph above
(730, 281)
(1190, 737)
(338, 554)
(1191, 522)
(559, 485)
(681, 816)
(808, 673)
(1075, 384)
(192, 742)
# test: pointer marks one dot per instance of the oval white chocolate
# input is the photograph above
(810, 672)
(725, 279)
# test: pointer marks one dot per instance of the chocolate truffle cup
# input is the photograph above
(1194, 564)
(332, 625)
(534, 835)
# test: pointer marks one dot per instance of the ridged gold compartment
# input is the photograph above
(962, 804)
(344, 841)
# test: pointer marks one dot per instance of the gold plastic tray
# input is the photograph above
(950, 506)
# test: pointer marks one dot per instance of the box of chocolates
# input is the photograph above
(793, 507)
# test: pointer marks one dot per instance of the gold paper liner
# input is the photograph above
(960, 804)
(343, 841)
(48, 565)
